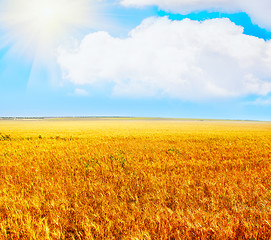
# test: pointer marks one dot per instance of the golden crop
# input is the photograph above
(135, 179)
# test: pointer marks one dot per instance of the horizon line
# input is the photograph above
(127, 117)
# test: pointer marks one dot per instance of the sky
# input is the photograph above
(139, 58)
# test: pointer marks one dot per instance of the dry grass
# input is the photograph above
(130, 179)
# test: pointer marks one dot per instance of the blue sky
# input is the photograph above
(136, 58)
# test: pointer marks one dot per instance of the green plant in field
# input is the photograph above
(120, 159)
(5, 137)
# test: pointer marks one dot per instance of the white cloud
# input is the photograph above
(258, 10)
(80, 92)
(261, 101)
(185, 59)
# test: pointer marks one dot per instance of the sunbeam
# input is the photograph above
(35, 27)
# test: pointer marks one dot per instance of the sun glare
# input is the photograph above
(37, 26)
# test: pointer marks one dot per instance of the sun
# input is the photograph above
(35, 27)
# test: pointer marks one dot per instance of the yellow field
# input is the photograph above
(135, 179)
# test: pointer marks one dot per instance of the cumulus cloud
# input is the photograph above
(258, 10)
(186, 59)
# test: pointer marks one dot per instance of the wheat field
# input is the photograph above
(135, 179)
